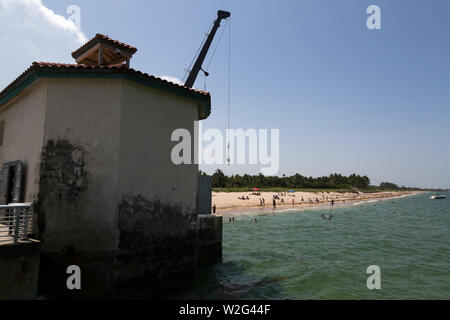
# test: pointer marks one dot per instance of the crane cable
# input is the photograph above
(205, 71)
(229, 89)
(228, 21)
(217, 44)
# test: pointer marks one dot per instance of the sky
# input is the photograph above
(346, 99)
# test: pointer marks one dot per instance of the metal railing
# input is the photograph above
(15, 221)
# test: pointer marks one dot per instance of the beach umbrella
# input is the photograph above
(291, 191)
(255, 189)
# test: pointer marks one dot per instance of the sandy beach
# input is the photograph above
(230, 203)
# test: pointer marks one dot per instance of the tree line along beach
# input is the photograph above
(236, 193)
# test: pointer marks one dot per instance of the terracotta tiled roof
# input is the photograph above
(100, 37)
(49, 69)
(68, 67)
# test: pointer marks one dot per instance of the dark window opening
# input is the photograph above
(2, 129)
(12, 183)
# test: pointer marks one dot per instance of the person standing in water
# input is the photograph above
(274, 203)
(332, 202)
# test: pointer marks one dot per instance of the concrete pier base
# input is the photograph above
(19, 269)
(209, 239)
(134, 274)
(137, 273)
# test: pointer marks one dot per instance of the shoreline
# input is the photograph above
(227, 206)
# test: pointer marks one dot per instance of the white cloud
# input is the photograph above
(29, 32)
(172, 79)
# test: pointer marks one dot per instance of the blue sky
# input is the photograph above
(345, 98)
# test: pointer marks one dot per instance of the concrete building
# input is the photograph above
(89, 145)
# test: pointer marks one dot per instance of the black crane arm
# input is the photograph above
(201, 57)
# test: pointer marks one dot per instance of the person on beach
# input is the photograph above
(274, 203)
(214, 209)
(293, 202)
(264, 202)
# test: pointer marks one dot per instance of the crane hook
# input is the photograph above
(205, 72)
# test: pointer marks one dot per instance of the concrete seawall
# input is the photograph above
(209, 239)
(26, 271)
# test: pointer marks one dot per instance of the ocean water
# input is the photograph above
(298, 255)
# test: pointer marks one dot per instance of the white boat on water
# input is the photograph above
(437, 197)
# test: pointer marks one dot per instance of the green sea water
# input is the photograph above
(298, 255)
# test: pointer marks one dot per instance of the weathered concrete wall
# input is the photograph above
(23, 133)
(19, 269)
(78, 201)
(110, 198)
(209, 245)
(149, 117)
(157, 211)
